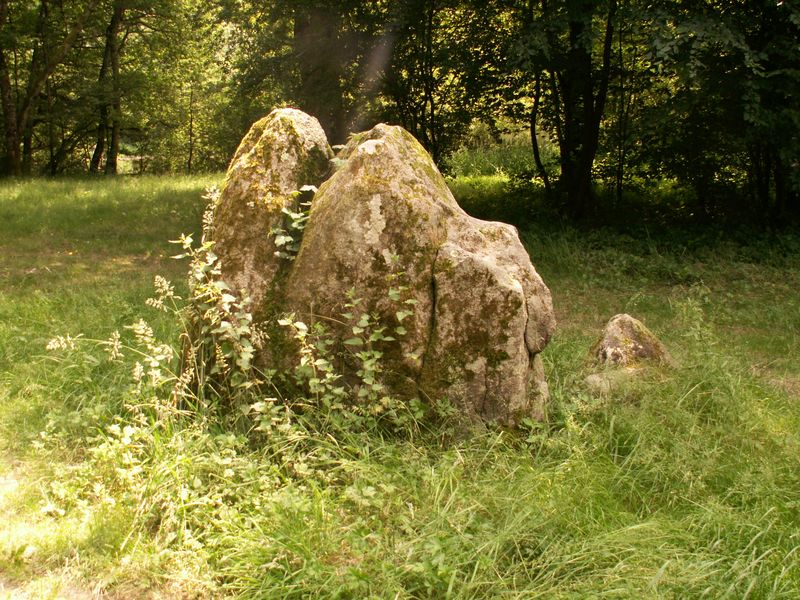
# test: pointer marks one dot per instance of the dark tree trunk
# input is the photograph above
(582, 98)
(534, 116)
(27, 150)
(622, 120)
(102, 86)
(429, 107)
(100, 144)
(761, 175)
(112, 43)
(11, 163)
(781, 207)
(320, 63)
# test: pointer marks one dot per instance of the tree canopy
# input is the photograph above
(701, 92)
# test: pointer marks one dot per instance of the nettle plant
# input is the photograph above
(202, 397)
(344, 382)
(331, 384)
(287, 238)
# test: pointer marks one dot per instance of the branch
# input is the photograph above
(602, 92)
(56, 58)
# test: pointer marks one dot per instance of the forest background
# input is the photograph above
(692, 105)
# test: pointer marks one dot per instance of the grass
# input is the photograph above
(683, 483)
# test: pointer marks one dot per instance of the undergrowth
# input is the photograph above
(683, 483)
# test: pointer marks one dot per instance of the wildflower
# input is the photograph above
(212, 195)
(142, 331)
(61, 342)
(220, 357)
(164, 291)
(156, 376)
(156, 303)
(114, 347)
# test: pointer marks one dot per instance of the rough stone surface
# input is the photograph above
(280, 154)
(627, 342)
(482, 313)
(386, 218)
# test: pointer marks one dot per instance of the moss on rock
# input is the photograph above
(386, 219)
(281, 153)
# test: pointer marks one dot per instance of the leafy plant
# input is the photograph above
(288, 238)
(346, 381)
(219, 339)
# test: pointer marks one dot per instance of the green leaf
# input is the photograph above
(354, 342)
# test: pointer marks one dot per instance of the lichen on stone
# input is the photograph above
(481, 312)
(626, 341)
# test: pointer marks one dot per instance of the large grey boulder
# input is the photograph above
(281, 153)
(386, 220)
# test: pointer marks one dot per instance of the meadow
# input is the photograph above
(682, 483)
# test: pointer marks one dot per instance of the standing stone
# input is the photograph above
(386, 226)
(627, 342)
(481, 315)
(281, 153)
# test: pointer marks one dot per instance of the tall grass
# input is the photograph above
(682, 483)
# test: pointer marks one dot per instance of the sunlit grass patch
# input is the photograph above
(681, 483)
(124, 214)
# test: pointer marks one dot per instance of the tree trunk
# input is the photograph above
(27, 150)
(761, 176)
(100, 144)
(622, 118)
(191, 129)
(535, 138)
(11, 164)
(320, 62)
(576, 85)
(781, 207)
(102, 123)
(583, 96)
(112, 43)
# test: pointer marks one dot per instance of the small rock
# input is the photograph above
(627, 342)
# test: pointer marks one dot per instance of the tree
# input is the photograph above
(109, 99)
(564, 48)
(730, 121)
(445, 57)
(47, 47)
(188, 112)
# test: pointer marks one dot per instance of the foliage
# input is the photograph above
(683, 483)
(625, 91)
(287, 239)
